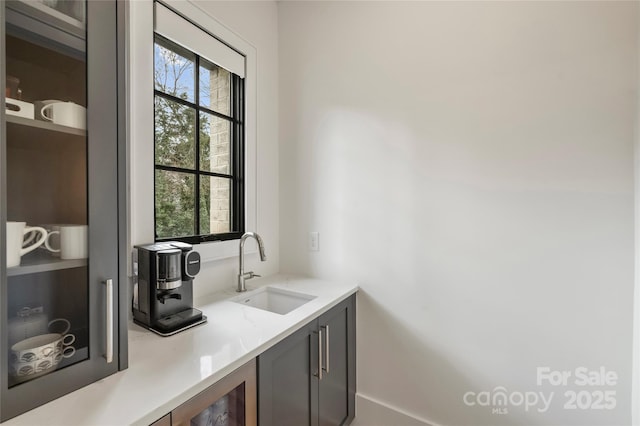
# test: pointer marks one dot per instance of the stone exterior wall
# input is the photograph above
(220, 154)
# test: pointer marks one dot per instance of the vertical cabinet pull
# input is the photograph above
(326, 347)
(319, 354)
(109, 318)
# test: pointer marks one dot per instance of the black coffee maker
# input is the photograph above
(163, 295)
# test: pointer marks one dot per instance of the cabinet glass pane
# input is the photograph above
(74, 9)
(226, 411)
(47, 279)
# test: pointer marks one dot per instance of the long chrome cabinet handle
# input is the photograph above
(109, 352)
(319, 354)
(326, 347)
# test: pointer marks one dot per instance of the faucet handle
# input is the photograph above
(243, 277)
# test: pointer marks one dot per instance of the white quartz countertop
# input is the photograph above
(164, 372)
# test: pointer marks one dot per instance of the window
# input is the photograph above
(199, 147)
(185, 24)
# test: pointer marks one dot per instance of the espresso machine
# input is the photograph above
(163, 294)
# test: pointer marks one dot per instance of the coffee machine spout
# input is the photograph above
(163, 297)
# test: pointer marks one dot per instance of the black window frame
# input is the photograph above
(237, 151)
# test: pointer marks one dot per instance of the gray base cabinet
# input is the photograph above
(309, 378)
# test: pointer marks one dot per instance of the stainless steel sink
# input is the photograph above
(274, 300)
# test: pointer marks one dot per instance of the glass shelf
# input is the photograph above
(46, 23)
(45, 125)
(42, 261)
(50, 15)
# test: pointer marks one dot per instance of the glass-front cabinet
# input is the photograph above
(231, 401)
(62, 201)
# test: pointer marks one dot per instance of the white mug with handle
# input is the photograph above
(66, 114)
(16, 232)
(74, 241)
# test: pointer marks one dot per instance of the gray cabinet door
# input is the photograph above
(287, 387)
(290, 389)
(336, 394)
(53, 173)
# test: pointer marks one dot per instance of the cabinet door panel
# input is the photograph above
(335, 402)
(287, 388)
(59, 170)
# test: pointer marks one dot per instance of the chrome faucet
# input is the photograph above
(244, 276)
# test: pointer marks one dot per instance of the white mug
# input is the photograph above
(65, 114)
(38, 105)
(16, 232)
(73, 241)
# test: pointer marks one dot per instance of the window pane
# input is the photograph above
(175, 204)
(215, 205)
(175, 134)
(215, 87)
(215, 144)
(174, 71)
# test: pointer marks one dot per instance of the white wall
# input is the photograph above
(636, 310)
(471, 164)
(255, 25)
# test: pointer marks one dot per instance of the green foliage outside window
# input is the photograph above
(175, 133)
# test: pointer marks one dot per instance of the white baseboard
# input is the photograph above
(371, 412)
